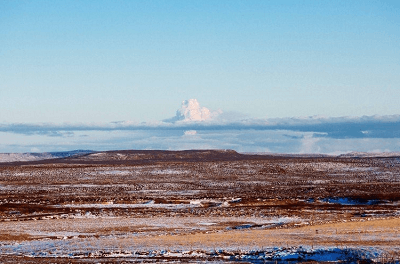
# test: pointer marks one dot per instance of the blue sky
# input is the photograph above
(86, 63)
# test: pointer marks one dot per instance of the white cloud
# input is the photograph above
(190, 132)
(309, 144)
(191, 111)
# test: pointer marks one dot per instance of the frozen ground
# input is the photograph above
(200, 206)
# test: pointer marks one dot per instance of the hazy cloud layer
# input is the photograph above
(276, 141)
(339, 127)
(196, 127)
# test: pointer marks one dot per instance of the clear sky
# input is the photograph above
(281, 76)
(103, 61)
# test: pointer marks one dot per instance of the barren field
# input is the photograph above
(200, 207)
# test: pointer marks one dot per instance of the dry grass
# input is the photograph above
(15, 237)
(376, 232)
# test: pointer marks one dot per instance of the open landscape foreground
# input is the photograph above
(200, 206)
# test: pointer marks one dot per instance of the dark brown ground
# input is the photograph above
(241, 190)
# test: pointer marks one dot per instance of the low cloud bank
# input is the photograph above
(196, 127)
(275, 141)
(339, 127)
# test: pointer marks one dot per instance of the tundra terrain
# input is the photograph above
(200, 206)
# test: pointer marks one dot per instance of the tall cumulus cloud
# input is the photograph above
(191, 111)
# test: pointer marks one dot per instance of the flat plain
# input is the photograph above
(200, 206)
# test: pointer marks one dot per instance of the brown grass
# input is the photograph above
(375, 232)
(16, 237)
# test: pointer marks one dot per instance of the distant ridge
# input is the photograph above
(369, 154)
(65, 154)
(288, 155)
(126, 156)
(163, 155)
(15, 157)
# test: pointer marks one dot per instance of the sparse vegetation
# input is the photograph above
(123, 202)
